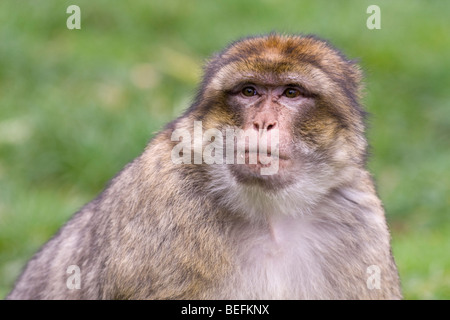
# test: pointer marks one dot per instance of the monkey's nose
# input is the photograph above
(264, 125)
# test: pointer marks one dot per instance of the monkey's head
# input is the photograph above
(298, 94)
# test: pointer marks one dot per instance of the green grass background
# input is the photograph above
(77, 105)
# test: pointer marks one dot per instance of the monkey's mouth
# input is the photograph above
(259, 164)
(262, 159)
(267, 170)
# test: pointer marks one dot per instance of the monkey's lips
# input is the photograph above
(262, 159)
(253, 162)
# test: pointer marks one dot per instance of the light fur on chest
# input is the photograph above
(279, 260)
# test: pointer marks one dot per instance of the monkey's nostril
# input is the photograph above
(256, 126)
(271, 126)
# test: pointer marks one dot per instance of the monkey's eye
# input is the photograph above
(249, 91)
(291, 93)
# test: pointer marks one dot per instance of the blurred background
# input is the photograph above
(77, 105)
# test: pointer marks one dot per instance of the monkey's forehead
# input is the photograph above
(277, 59)
(269, 73)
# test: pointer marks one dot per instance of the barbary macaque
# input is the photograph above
(258, 191)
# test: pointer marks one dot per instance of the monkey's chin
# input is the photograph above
(267, 173)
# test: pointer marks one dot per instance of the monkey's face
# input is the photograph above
(298, 96)
(267, 114)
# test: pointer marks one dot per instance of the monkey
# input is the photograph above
(172, 225)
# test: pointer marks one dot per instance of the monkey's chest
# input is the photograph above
(282, 262)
